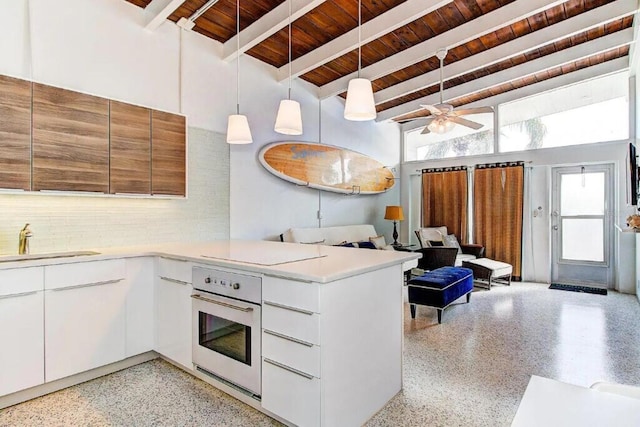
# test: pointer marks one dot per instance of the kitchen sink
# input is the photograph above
(52, 255)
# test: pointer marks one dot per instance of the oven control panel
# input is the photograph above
(231, 284)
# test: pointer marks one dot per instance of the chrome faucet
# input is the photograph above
(23, 243)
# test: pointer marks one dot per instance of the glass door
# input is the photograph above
(582, 226)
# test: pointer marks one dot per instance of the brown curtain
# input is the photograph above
(497, 212)
(444, 200)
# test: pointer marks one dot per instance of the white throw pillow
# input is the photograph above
(451, 241)
(378, 242)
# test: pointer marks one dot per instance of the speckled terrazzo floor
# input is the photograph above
(470, 371)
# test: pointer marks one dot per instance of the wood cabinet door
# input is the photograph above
(168, 153)
(70, 140)
(130, 149)
(15, 133)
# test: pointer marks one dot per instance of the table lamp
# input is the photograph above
(394, 213)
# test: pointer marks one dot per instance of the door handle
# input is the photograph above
(555, 227)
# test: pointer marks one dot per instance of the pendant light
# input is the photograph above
(289, 118)
(360, 105)
(238, 131)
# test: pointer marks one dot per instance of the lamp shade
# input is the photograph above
(238, 131)
(360, 105)
(394, 213)
(289, 118)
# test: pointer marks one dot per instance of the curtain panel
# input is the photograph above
(444, 200)
(498, 209)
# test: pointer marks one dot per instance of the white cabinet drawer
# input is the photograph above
(295, 353)
(21, 280)
(83, 273)
(291, 322)
(174, 270)
(291, 293)
(292, 396)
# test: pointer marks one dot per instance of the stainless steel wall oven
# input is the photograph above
(226, 327)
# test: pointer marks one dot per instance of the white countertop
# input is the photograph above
(309, 263)
(550, 403)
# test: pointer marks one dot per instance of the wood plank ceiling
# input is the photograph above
(501, 45)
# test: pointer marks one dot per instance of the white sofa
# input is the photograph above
(337, 235)
(437, 234)
(330, 235)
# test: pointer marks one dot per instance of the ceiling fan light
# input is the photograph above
(441, 125)
(360, 105)
(289, 118)
(238, 131)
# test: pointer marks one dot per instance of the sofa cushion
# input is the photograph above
(451, 241)
(378, 241)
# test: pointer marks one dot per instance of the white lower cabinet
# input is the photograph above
(21, 329)
(173, 311)
(85, 321)
(291, 394)
(291, 376)
(140, 311)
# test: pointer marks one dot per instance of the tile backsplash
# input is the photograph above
(70, 222)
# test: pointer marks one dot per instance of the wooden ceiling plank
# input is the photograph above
(269, 24)
(548, 62)
(158, 11)
(485, 24)
(580, 23)
(377, 27)
(578, 76)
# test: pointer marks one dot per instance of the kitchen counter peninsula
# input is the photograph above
(330, 322)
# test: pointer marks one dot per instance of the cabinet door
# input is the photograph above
(84, 328)
(173, 320)
(70, 140)
(22, 338)
(140, 307)
(168, 154)
(15, 133)
(130, 149)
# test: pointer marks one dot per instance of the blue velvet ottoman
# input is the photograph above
(439, 288)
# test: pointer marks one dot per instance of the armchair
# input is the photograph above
(437, 234)
(433, 258)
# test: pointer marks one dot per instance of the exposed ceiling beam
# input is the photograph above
(567, 28)
(158, 11)
(269, 24)
(535, 66)
(581, 75)
(471, 30)
(377, 27)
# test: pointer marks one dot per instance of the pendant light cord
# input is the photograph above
(359, 36)
(289, 49)
(238, 57)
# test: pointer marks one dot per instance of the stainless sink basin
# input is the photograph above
(31, 257)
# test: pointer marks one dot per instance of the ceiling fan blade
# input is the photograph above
(426, 126)
(432, 109)
(465, 122)
(467, 111)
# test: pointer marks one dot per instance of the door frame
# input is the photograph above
(556, 227)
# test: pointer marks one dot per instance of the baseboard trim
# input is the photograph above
(41, 390)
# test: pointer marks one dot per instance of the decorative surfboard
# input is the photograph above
(325, 167)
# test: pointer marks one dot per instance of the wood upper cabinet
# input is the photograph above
(15, 133)
(168, 153)
(70, 140)
(130, 154)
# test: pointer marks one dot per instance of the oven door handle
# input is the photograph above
(224, 304)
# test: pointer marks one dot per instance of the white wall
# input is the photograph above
(100, 47)
(537, 239)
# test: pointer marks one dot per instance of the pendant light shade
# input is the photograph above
(441, 125)
(360, 105)
(238, 131)
(289, 118)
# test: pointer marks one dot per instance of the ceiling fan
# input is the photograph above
(443, 116)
